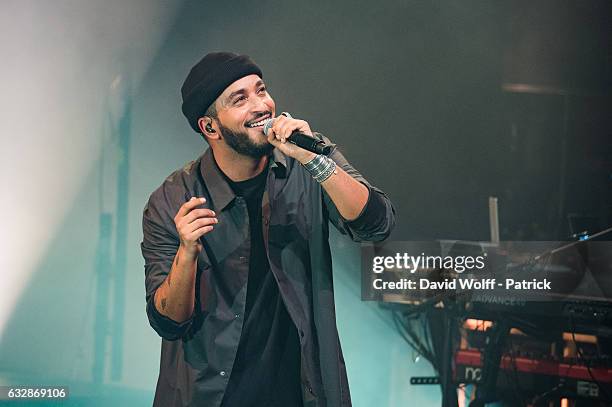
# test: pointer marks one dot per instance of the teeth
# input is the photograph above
(257, 124)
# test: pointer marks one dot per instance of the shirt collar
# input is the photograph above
(220, 192)
(278, 163)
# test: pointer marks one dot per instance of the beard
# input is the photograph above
(242, 144)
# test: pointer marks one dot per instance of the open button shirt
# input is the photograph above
(198, 354)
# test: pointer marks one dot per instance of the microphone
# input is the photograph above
(302, 140)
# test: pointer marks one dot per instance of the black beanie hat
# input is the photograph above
(209, 78)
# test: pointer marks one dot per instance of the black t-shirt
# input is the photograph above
(266, 371)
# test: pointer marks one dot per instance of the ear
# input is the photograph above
(208, 127)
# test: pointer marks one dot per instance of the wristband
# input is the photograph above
(321, 168)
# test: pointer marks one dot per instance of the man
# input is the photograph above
(237, 261)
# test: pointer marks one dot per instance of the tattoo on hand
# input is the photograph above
(163, 303)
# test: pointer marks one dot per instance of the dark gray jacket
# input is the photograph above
(198, 354)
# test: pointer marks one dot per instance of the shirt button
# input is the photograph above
(223, 373)
(309, 388)
(237, 316)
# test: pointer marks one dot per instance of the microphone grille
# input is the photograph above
(267, 125)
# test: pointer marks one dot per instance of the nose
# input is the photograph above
(259, 105)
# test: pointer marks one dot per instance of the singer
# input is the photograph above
(238, 270)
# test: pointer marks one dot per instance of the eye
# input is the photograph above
(239, 99)
(261, 90)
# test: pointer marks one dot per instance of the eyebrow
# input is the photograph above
(243, 91)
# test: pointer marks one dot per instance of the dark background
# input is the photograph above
(412, 93)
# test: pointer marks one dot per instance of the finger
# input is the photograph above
(272, 137)
(287, 128)
(281, 133)
(198, 223)
(196, 234)
(301, 126)
(304, 127)
(278, 122)
(280, 119)
(189, 205)
(198, 213)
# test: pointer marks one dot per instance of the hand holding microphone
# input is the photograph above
(285, 128)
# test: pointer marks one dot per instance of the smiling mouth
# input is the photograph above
(259, 122)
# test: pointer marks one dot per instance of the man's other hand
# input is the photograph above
(192, 223)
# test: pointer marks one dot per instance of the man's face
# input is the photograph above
(241, 111)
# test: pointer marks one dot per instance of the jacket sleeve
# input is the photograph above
(159, 246)
(376, 220)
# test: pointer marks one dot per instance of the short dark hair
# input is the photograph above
(212, 110)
